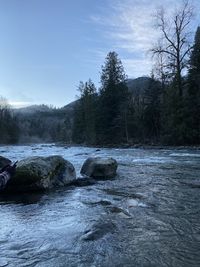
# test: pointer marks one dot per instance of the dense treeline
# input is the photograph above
(118, 115)
(100, 117)
(166, 112)
(192, 101)
(34, 124)
(47, 125)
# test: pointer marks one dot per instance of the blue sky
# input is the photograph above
(48, 46)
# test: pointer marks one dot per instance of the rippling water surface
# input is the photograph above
(149, 215)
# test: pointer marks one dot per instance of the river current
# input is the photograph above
(149, 215)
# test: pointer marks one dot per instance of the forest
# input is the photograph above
(163, 108)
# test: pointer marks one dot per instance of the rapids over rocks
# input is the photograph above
(148, 215)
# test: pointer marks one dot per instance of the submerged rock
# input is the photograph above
(4, 162)
(98, 167)
(98, 230)
(40, 173)
(83, 182)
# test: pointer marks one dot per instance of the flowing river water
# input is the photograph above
(149, 215)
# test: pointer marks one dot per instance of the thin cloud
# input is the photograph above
(130, 29)
(19, 104)
(135, 67)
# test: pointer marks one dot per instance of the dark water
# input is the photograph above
(149, 215)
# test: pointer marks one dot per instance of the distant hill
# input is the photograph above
(70, 107)
(139, 84)
(135, 86)
(32, 109)
(55, 116)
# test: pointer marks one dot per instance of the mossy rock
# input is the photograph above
(41, 173)
(99, 168)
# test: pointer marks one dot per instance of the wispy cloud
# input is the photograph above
(16, 97)
(137, 67)
(130, 30)
(19, 104)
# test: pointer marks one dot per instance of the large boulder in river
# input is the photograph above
(98, 167)
(40, 173)
(4, 162)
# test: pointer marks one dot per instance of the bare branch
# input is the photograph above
(186, 52)
(175, 42)
(161, 50)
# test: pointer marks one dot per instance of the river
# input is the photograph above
(149, 215)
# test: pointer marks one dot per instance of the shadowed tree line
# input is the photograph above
(34, 125)
(165, 111)
(119, 115)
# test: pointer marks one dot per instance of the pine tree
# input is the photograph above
(113, 71)
(89, 98)
(112, 102)
(193, 98)
(152, 110)
(173, 126)
(84, 127)
(78, 122)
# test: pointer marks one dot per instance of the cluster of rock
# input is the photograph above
(42, 173)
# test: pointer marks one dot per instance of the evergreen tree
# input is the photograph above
(173, 127)
(78, 123)
(112, 72)
(193, 97)
(144, 111)
(152, 110)
(112, 107)
(84, 127)
(89, 99)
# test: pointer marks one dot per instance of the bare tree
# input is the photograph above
(160, 69)
(174, 44)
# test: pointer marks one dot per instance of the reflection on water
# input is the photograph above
(148, 216)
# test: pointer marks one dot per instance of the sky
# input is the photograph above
(48, 46)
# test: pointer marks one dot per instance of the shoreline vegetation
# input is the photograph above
(114, 146)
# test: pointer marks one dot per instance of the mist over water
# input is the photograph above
(149, 215)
